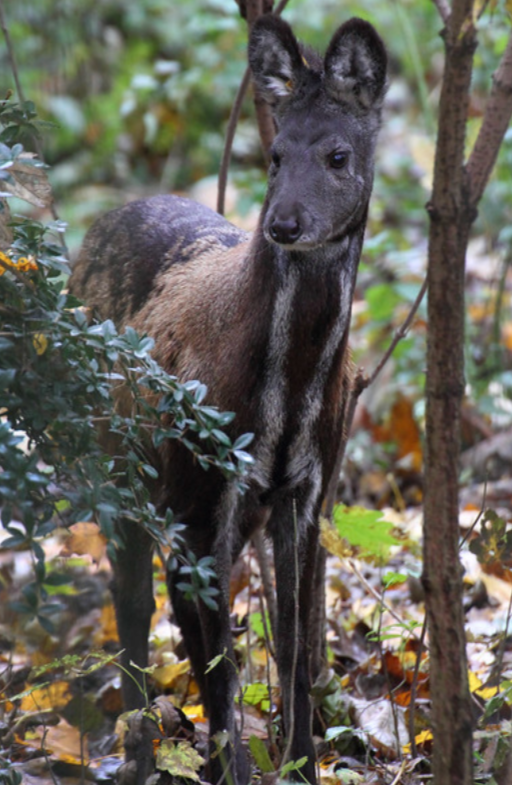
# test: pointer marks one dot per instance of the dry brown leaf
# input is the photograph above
(332, 541)
(30, 182)
(63, 742)
(6, 235)
(85, 539)
(403, 430)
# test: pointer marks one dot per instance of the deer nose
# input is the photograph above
(285, 231)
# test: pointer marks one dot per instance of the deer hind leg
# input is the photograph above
(132, 589)
(295, 546)
(207, 635)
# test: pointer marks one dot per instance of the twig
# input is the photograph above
(377, 595)
(480, 513)
(387, 676)
(498, 112)
(10, 54)
(19, 89)
(266, 579)
(400, 772)
(358, 386)
(233, 122)
(268, 645)
(444, 9)
(503, 641)
(230, 135)
(400, 333)
(361, 382)
(414, 687)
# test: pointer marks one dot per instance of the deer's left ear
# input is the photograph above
(355, 65)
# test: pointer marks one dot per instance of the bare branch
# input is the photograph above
(230, 135)
(494, 126)
(10, 54)
(263, 116)
(444, 9)
(400, 333)
(361, 382)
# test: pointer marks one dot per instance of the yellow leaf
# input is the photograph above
(53, 696)
(40, 343)
(194, 713)
(487, 692)
(167, 674)
(259, 656)
(421, 738)
(474, 682)
(85, 539)
(425, 735)
(107, 631)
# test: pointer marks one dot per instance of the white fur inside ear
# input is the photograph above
(351, 74)
(276, 67)
(279, 87)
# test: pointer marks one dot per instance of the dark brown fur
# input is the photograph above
(263, 322)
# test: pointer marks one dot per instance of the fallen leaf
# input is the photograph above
(167, 675)
(179, 760)
(85, 539)
(53, 696)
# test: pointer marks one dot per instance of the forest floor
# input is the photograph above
(61, 714)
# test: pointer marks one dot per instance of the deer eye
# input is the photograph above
(338, 159)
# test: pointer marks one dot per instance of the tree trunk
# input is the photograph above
(451, 218)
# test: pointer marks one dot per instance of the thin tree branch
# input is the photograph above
(378, 596)
(266, 579)
(10, 54)
(400, 333)
(358, 386)
(414, 688)
(444, 9)
(21, 96)
(494, 126)
(237, 106)
(361, 382)
(230, 135)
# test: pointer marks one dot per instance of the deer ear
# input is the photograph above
(355, 65)
(274, 57)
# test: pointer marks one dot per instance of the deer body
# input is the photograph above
(263, 321)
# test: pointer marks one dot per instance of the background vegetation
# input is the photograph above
(139, 97)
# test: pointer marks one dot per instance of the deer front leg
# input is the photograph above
(295, 546)
(132, 589)
(207, 636)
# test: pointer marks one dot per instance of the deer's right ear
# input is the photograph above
(274, 57)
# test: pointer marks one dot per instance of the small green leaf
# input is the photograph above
(260, 755)
(257, 694)
(293, 765)
(365, 529)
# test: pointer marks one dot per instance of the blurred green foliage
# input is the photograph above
(139, 96)
(58, 377)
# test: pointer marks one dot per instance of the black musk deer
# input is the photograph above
(263, 321)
